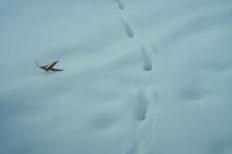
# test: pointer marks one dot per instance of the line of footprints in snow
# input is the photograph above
(130, 33)
(140, 111)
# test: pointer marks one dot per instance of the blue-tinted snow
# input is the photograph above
(105, 101)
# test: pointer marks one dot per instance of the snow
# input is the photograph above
(121, 5)
(140, 77)
(147, 66)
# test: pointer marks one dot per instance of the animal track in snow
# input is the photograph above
(141, 108)
(133, 149)
(141, 138)
(121, 5)
(147, 64)
(128, 30)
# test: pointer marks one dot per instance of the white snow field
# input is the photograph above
(140, 77)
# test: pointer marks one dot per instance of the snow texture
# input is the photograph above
(120, 4)
(140, 77)
(127, 28)
(147, 64)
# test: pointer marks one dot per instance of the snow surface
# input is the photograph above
(140, 77)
